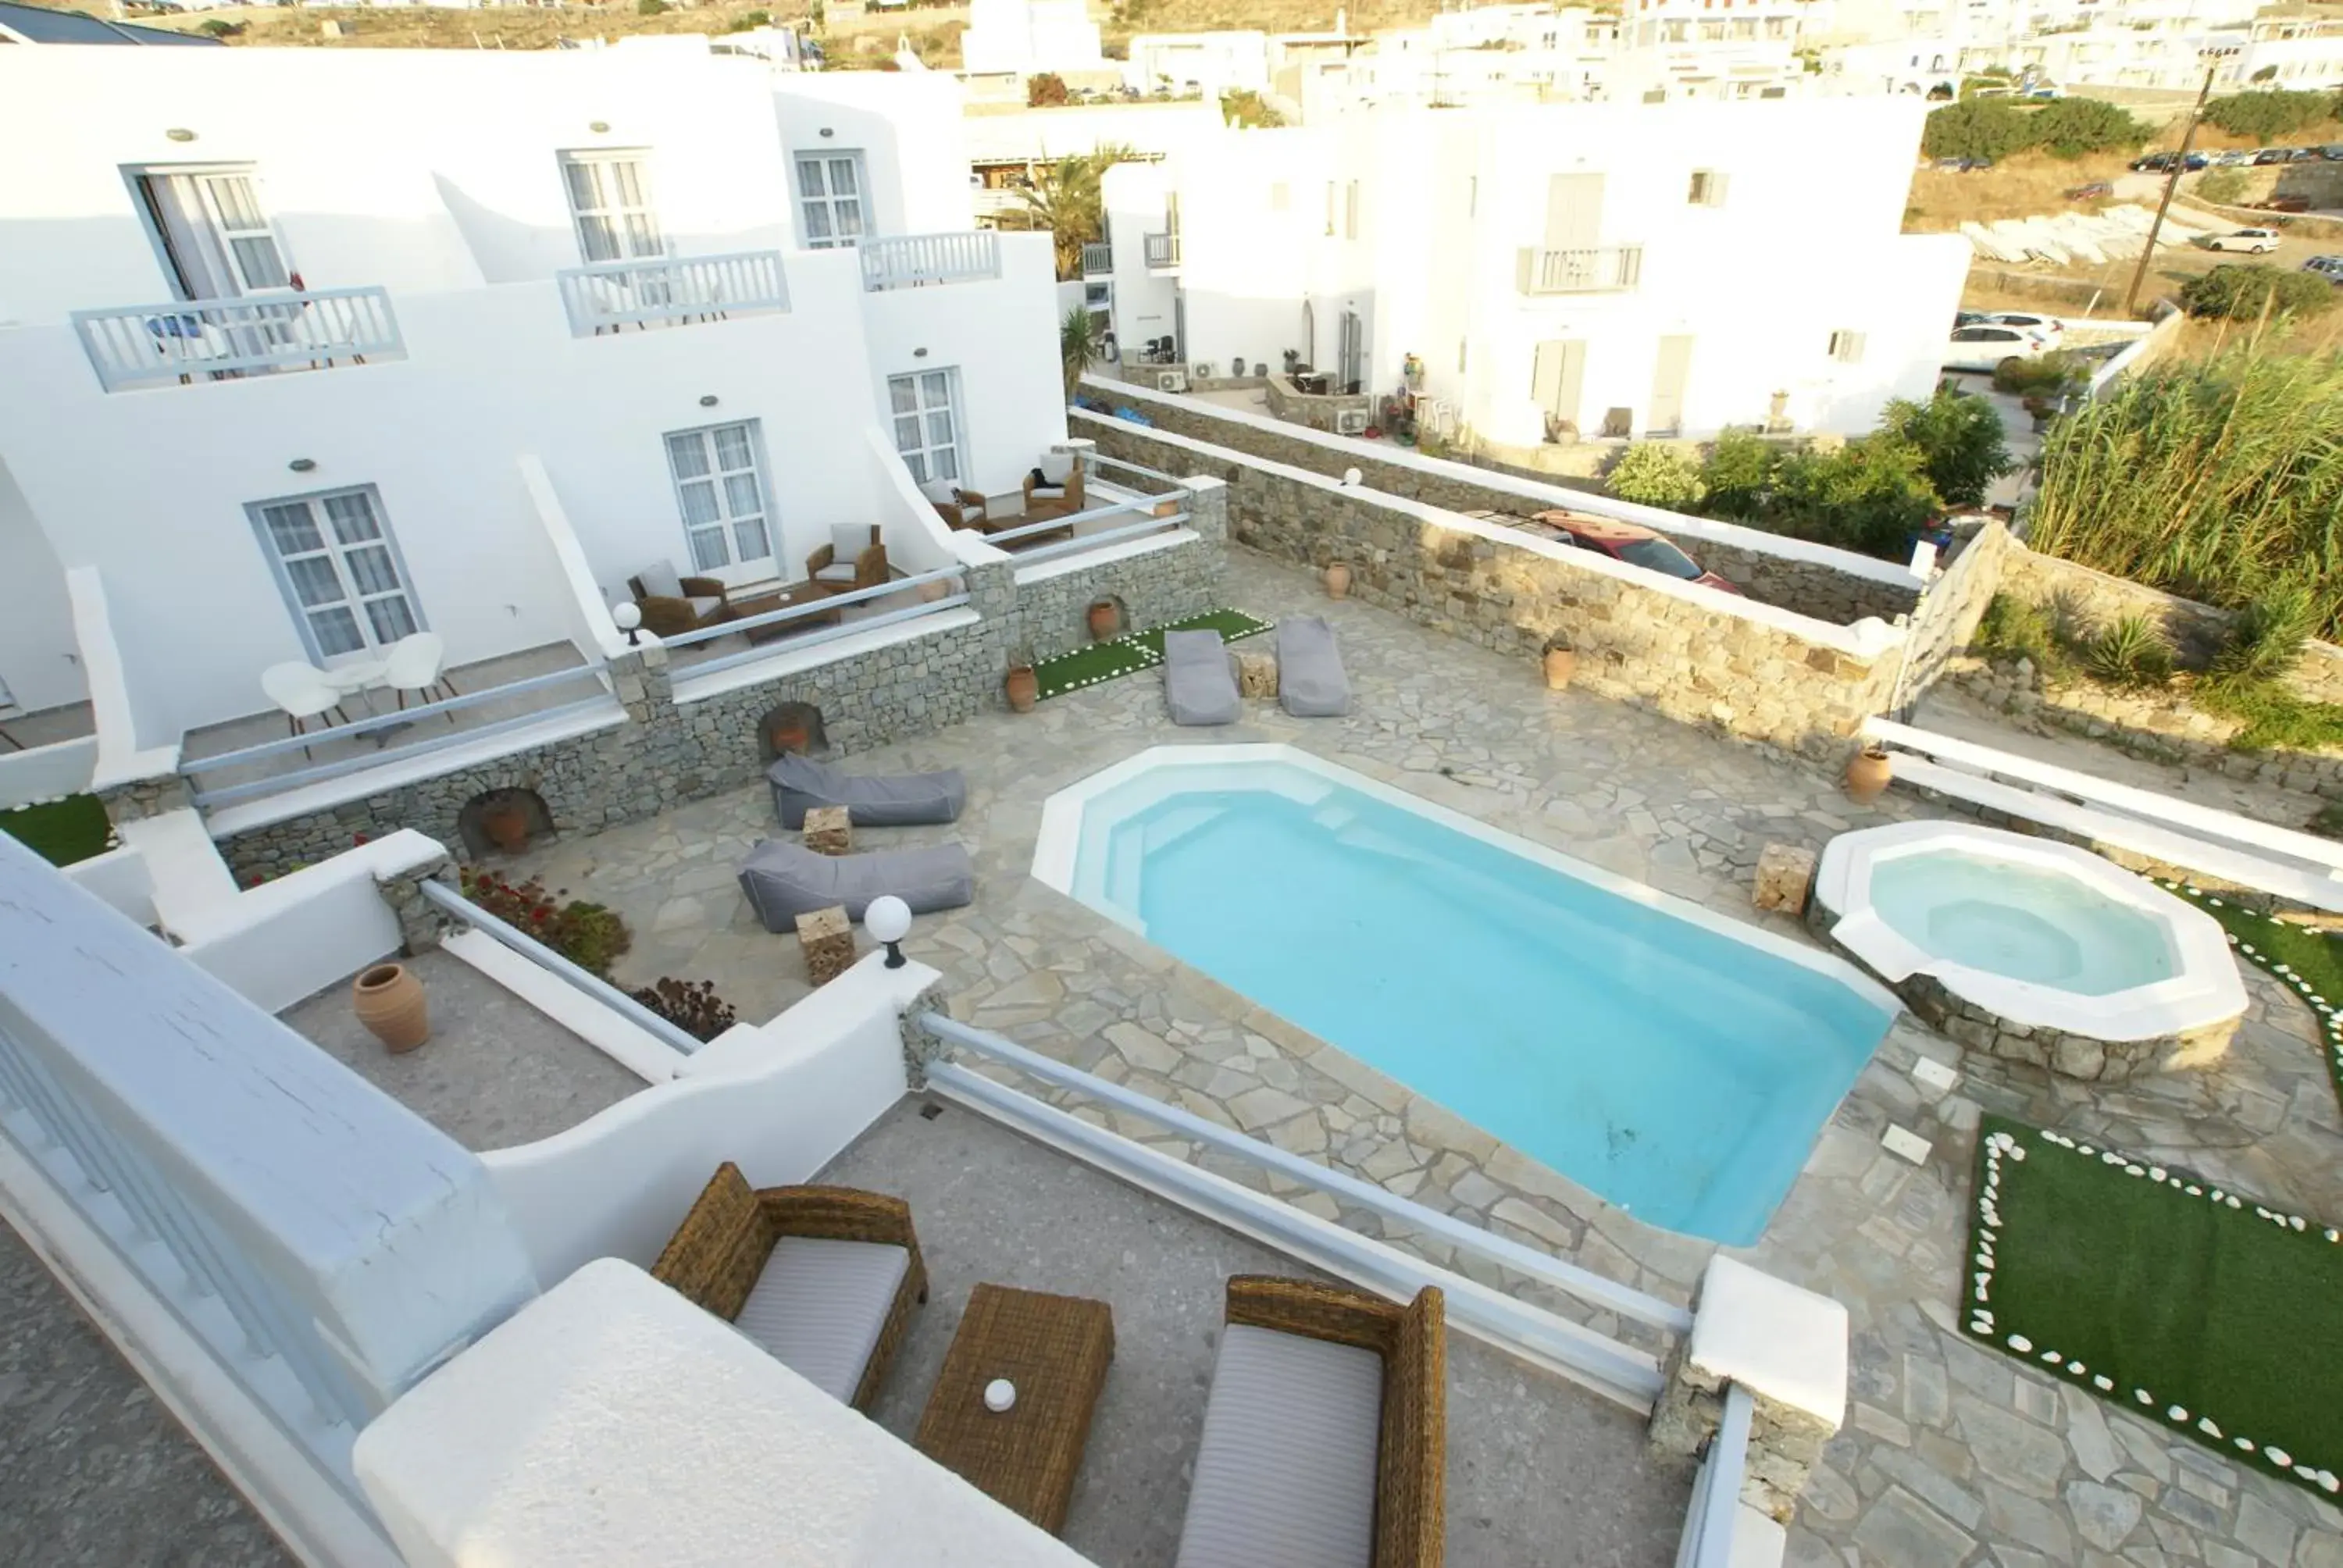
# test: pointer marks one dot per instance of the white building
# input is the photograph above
(1212, 63)
(467, 258)
(1588, 268)
(1026, 36)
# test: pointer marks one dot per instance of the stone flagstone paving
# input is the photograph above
(1951, 1456)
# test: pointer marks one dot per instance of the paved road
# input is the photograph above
(94, 1471)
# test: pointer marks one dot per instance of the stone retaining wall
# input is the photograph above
(1947, 614)
(1795, 582)
(1660, 647)
(670, 752)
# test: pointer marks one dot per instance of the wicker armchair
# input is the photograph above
(824, 568)
(1284, 1454)
(1044, 499)
(740, 1254)
(695, 603)
(959, 508)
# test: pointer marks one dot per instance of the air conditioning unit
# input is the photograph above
(1171, 381)
(1351, 422)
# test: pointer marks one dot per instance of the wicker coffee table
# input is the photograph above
(1055, 1348)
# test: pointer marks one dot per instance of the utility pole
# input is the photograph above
(2172, 179)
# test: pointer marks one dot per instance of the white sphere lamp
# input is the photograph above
(629, 618)
(1350, 477)
(888, 919)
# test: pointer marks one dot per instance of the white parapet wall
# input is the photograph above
(612, 1422)
(45, 772)
(780, 1100)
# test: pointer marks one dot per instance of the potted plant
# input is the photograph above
(505, 819)
(388, 999)
(1561, 662)
(2041, 408)
(1022, 687)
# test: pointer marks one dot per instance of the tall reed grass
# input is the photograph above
(2219, 480)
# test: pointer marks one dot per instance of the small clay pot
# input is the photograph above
(389, 1001)
(507, 827)
(1105, 620)
(1867, 775)
(1561, 664)
(1338, 581)
(792, 737)
(1023, 689)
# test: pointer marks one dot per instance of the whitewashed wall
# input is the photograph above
(907, 126)
(40, 664)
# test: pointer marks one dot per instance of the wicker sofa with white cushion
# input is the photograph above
(823, 1278)
(673, 604)
(1325, 1431)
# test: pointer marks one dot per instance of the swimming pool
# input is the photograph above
(1668, 1058)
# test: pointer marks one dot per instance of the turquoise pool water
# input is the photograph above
(1679, 1071)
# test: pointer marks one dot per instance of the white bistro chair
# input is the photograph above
(303, 693)
(417, 663)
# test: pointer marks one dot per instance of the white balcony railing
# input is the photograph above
(909, 260)
(213, 339)
(1162, 250)
(671, 291)
(1589, 269)
(1097, 259)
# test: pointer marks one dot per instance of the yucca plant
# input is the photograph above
(2129, 652)
(2216, 480)
(2266, 637)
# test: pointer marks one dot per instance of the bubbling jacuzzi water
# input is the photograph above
(2029, 925)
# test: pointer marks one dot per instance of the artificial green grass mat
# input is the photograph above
(60, 831)
(2189, 1305)
(2310, 961)
(1137, 650)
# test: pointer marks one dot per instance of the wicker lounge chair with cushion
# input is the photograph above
(782, 881)
(1200, 678)
(897, 800)
(959, 508)
(823, 1278)
(854, 558)
(1325, 1433)
(673, 605)
(1055, 489)
(1310, 683)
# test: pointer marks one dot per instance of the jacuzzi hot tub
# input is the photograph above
(2031, 950)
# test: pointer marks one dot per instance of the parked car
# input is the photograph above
(2087, 192)
(2284, 203)
(2252, 241)
(2158, 163)
(1633, 543)
(2047, 327)
(2330, 267)
(2239, 159)
(1961, 165)
(1989, 345)
(2332, 152)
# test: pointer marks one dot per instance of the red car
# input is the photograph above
(1632, 543)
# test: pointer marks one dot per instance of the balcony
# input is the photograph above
(1097, 259)
(916, 260)
(1162, 250)
(1590, 270)
(219, 339)
(671, 291)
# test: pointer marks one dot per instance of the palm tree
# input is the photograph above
(1066, 199)
(1077, 345)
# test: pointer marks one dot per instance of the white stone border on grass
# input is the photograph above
(1980, 1321)
(2331, 1017)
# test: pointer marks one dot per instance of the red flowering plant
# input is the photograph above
(589, 935)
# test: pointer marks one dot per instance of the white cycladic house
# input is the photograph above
(300, 350)
(1027, 36)
(1566, 269)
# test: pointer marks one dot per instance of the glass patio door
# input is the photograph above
(340, 572)
(721, 493)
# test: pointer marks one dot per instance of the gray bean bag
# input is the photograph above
(897, 800)
(1200, 678)
(782, 881)
(1310, 679)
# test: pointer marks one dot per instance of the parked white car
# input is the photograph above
(1987, 344)
(2047, 327)
(2252, 241)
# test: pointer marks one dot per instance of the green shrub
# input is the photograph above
(1652, 475)
(649, 7)
(2243, 291)
(2076, 128)
(2129, 652)
(588, 935)
(2052, 375)
(2265, 638)
(1045, 90)
(2266, 115)
(2274, 714)
(1960, 440)
(1871, 495)
(1737, 473)
(2224, 184)
(2013, 629)
(1977, 128)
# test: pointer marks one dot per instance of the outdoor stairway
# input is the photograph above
(2295, 866)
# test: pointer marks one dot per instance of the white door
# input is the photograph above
(340, 572)
(214, 233)
(610, 203)
(1557, 376)
(831, 197)
(1574, 211)
(925, 408)
(1670, 374)
(721, 493)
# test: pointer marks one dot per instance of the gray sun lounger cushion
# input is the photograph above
(821, 1305)
(896, 800)
(1310, 679)
(782, 881)
(1200, 678)
(1285, 1474)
